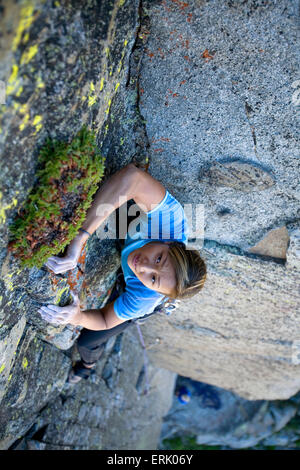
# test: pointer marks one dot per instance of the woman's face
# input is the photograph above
(152, 265)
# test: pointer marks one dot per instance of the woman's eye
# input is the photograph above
(153, 279)
(159, 258)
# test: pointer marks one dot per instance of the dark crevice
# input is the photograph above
(34, 433)
(133, 85)
(136, 44)
(15, 444)
(39, 434)
(249, 110)
(118, 344)
(140, 380)
(210, 246)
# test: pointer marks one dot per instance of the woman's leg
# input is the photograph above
(91, 343)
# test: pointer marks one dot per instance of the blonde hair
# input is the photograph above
(190, 270)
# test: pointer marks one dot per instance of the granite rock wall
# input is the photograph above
(208, 94)
(219, 95)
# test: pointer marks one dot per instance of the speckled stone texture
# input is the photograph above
(108, 411)
(233, 103)
(221, 120)
(241, 332)
(191, 86)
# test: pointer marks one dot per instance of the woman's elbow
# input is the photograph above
(131, 168)
(132, 174)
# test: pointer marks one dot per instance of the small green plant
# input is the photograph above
(68, 175)
(186, 443)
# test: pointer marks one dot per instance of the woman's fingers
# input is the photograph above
(59, 266)
(48, 311)
(50, 319)
(60, 262)
(52, 313)
(57, 261)
(54, 258)
(55, 310)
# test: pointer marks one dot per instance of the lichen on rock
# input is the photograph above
(69, 176)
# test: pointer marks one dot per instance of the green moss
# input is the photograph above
(68, 175)
(293, 424)
(60, 293)
(297, 443)
(186, 443)
(25, 363)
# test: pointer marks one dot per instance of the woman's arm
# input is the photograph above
(94, 319)
(128, 183)
(98, 319)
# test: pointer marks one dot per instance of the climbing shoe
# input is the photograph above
(79, 372)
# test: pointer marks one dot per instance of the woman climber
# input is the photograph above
(155, 261)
